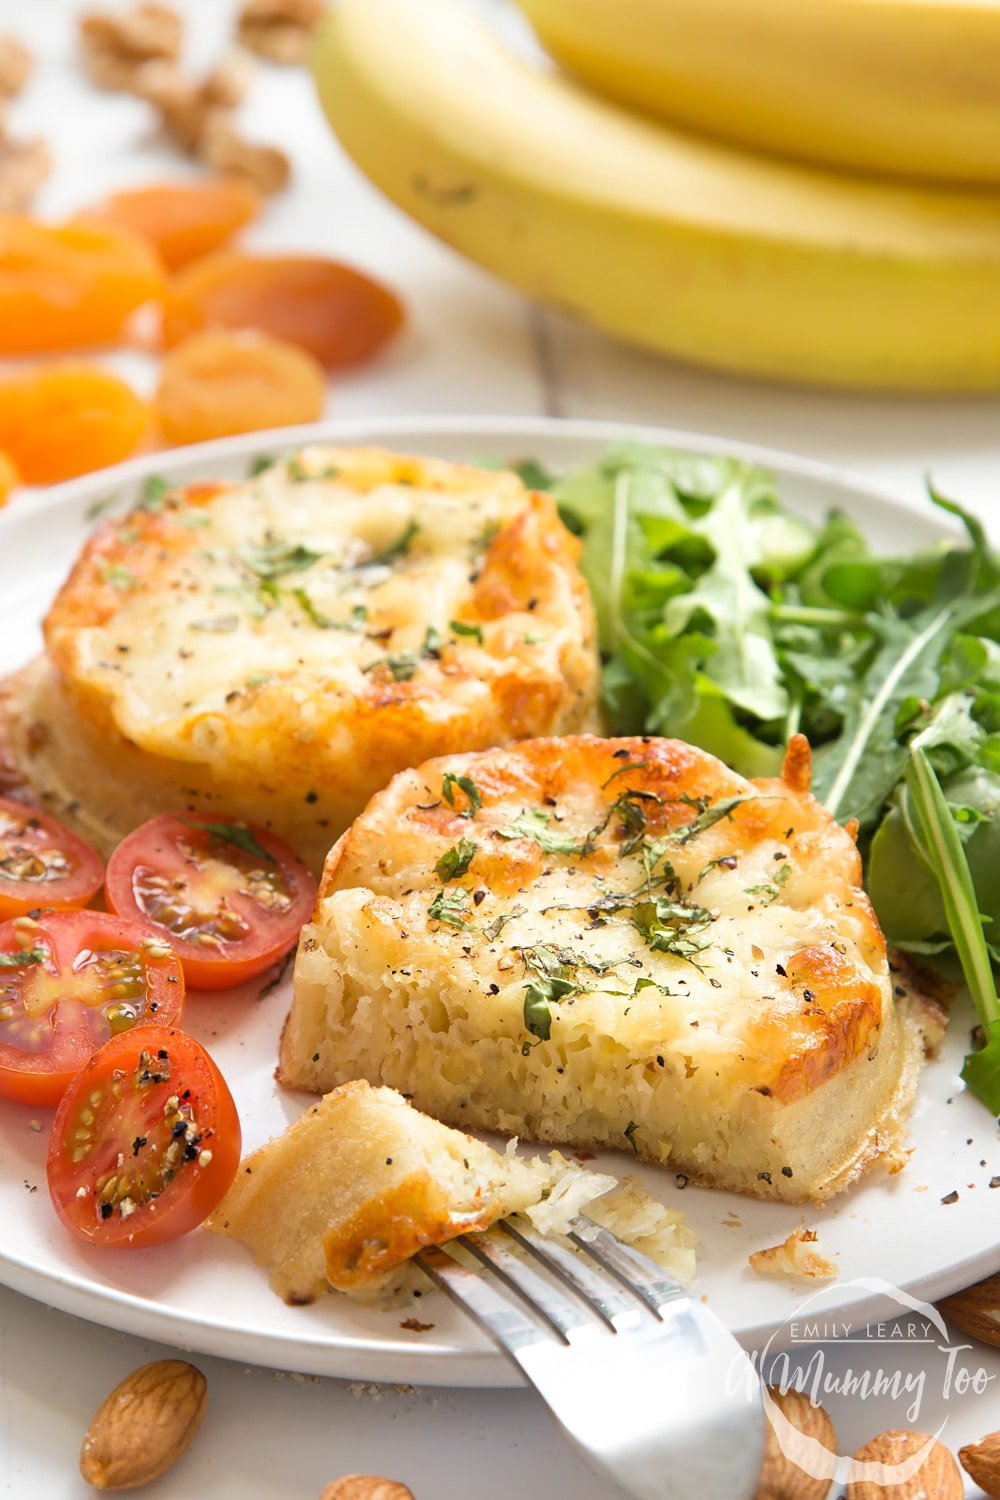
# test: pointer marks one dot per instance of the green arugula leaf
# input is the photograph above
(943, 849)
(532, 474)
(744, 663)
(855, 775)
(981, 1071)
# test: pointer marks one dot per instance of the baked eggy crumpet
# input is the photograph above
(614, 942)
(362, 1181)
(279, 648)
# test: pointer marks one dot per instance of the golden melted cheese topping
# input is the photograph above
(279, 649)
(632, 890)
(310, 582)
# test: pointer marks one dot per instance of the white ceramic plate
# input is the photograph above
(203, 1294)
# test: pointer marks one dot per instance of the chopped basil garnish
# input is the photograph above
(624, 770)
(395, 549)
(460, 628)
(298, 473)
(355, 623)
(455, 862)
(671, 927)
(451, 907)
(403, 665)
(22, 959)
(117, 576)
(271, 560)
(493, 929)
(466, 785)
(155, 490)
(235, 833)
(534, 824)
(771, 889)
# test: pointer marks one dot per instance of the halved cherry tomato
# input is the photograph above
(69, 980)
(229, 897)
(145, 1143)
(42, 863)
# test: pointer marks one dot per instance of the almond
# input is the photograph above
(976, 1310)
(365, 1487)
(937, 1477)
(982, 1462)
(781, 1478)
(144, 1426)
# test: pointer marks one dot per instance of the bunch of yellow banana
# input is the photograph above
(900, 86)
(696, 248)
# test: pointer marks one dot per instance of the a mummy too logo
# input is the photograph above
(907, 1359)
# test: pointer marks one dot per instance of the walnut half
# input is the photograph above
(115, 46)
(279, 30)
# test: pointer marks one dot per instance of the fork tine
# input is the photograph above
(569, 1317)
(633, 1269)
(617, 1308)
(495, 1312)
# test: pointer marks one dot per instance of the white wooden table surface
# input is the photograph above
(470, 347)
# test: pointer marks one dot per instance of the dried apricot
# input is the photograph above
(219, 382)
(338, 314)
(63, 286)
(182, 220)
(66, 419)
(8, 478)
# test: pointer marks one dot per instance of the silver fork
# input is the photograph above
(649, 1386)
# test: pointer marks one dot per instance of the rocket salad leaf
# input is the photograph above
(942, 849)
